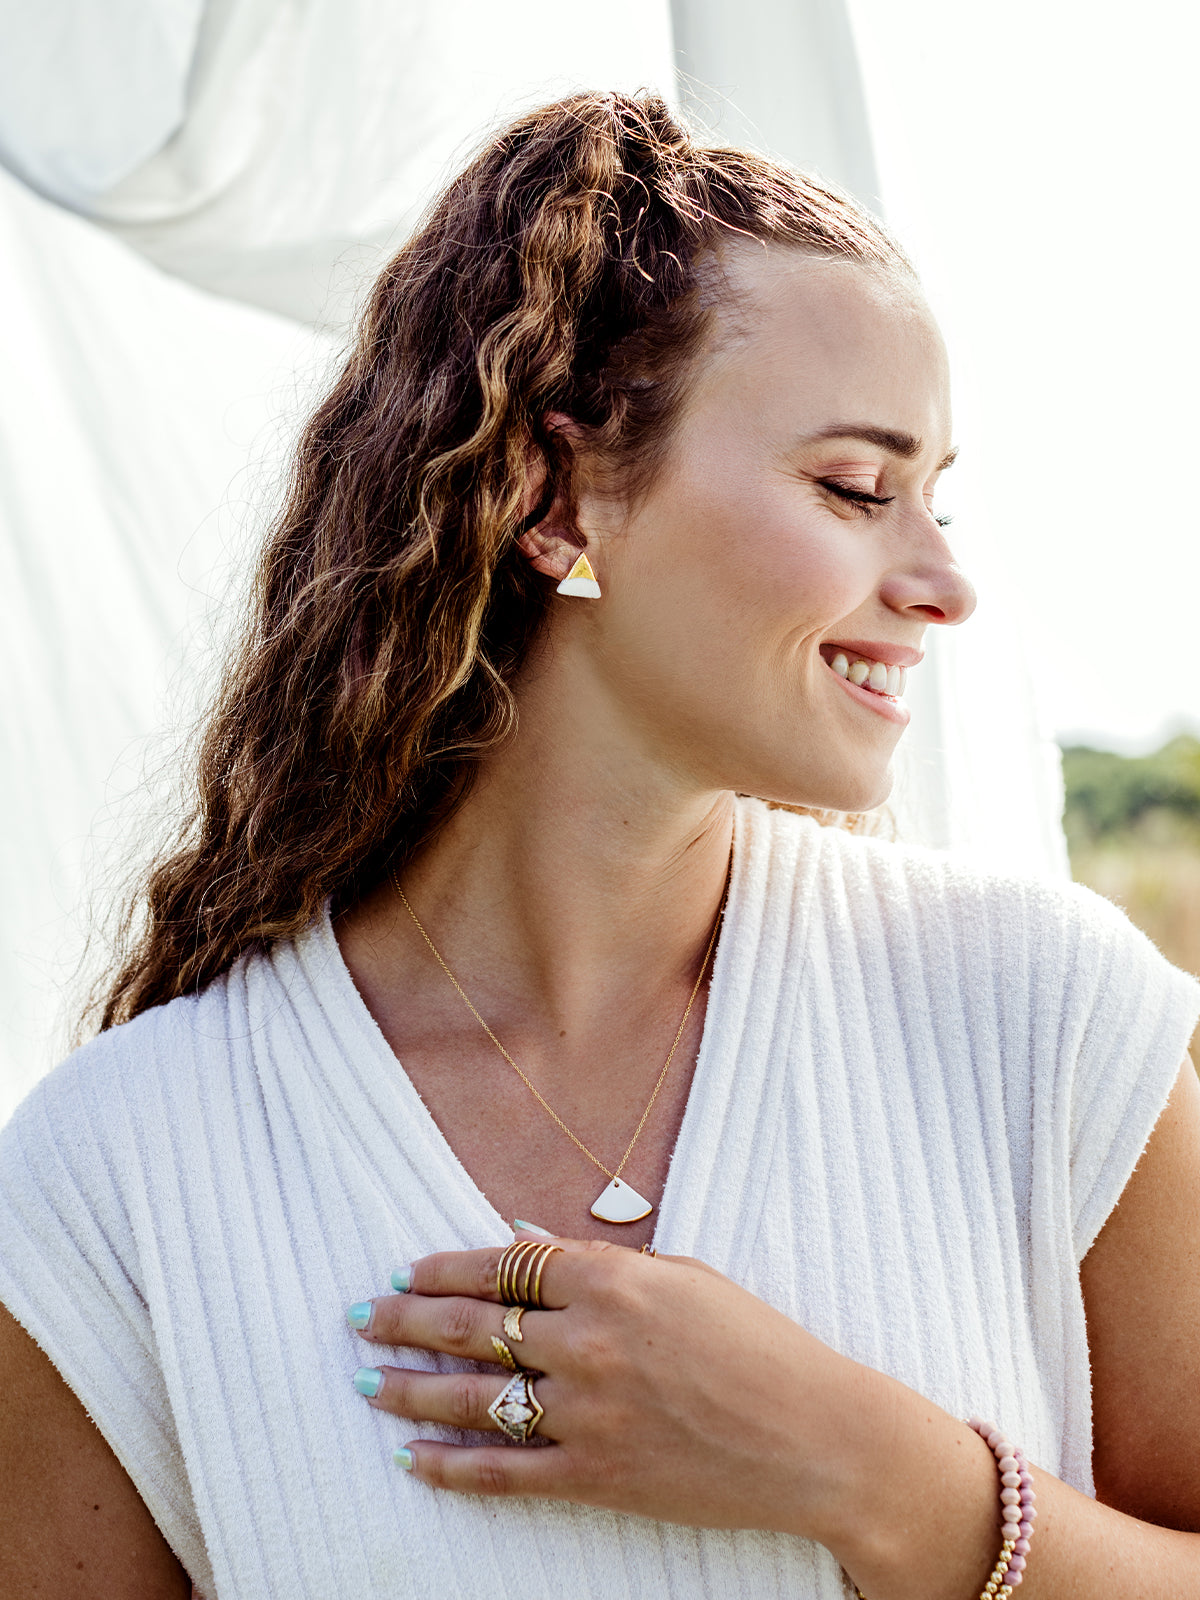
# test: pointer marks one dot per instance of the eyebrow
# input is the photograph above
(897, 443)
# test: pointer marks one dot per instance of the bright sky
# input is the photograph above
(1038, 161)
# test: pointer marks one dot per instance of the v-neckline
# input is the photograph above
(381, 1072)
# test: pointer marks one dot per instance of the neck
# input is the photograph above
(579, 866)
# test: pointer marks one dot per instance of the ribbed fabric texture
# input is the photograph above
(920, 1092)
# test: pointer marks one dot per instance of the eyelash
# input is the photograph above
(867, 503)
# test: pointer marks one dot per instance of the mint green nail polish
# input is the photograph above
(402, 1280)
(403, 1458)
(532, 1227)
(359, 1314)
(368, 1381)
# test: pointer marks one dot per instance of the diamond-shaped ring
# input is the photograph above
(515, 1410)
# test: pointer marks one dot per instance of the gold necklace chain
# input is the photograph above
(534, 1091)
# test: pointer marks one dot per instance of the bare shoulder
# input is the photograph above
(1141, 1285)
(74, 1523)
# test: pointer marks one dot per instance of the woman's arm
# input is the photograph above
(1141, 1539)
(73, 1525)
(1141, 1286)
(672, 1393)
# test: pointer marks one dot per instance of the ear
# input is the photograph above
(551, 550)
(554, 543)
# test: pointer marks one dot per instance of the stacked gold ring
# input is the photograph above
(519, 1273)
(516, 1410)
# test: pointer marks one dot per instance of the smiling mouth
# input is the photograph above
(877, 677)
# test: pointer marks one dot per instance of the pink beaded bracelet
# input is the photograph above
(1018, 1513)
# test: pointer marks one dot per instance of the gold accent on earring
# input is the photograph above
(581, 580)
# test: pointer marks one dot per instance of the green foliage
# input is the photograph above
(1110, 795)
(1133, 827)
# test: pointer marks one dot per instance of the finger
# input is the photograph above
(457, 1325)
(685, 1261)
(459, 1399)
(533, 1234)
(528, 1233)
(487, 1469)
(473, 1272)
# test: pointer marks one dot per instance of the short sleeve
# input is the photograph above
(70, 1275)
(1137, 1013)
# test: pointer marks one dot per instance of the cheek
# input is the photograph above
(805, 573)
(726, 597)
(765, 563)
(778, 529)
(732, 564)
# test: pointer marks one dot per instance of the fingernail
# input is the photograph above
(359, 1314)
(403, 1458)
(368, 1381)
(402, 1280)
(532, 1227)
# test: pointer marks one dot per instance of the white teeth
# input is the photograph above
(874, 675)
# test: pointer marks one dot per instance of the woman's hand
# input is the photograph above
(667, 1390)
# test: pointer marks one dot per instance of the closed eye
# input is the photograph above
(867, 502)
(856, 497)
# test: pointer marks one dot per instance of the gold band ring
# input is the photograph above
(512, 1323)
(519, 1273)
(515, 1410)
(534, 1297)
(506, 1270)
(504, 1355)
(523, 1272)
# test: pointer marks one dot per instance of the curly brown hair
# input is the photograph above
(561, 272)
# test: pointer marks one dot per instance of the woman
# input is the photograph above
(619, 515)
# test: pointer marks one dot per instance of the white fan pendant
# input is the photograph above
(620, 1203)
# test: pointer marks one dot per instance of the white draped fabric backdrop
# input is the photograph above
(192, 196)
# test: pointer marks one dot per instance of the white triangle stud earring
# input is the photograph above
(581, 580)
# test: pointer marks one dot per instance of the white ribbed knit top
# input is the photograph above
(920, 1092)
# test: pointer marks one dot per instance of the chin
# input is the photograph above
(846, 792)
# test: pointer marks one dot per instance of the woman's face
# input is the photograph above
(789, 537)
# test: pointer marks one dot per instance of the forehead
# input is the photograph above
(805, 339)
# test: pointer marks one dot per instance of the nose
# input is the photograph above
(932, 586)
